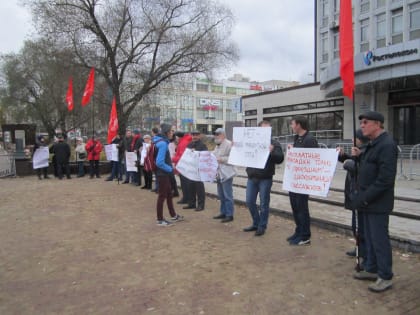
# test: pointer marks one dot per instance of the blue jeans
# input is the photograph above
(81, 168)
(263, 187)
(378, 246)
(299, 203)
(225, 193)
(116, 170)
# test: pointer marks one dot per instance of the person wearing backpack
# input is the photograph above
(164, 170)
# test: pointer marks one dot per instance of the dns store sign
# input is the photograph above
(210, 104)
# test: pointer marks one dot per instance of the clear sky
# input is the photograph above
(275, 37)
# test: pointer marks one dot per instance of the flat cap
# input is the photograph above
(371, 115)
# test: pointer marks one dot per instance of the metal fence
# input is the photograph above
(7, 165)
(414, 166)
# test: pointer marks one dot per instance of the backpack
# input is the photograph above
(150, 159)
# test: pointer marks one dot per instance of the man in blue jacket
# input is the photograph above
(378, 168)
(164, 170)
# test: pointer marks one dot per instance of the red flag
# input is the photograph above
(69, 95)
(113, 122)
(346, 48)
(90, 85)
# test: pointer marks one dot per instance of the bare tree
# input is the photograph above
(35, 83)
(137, 44)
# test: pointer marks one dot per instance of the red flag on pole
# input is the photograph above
(113, 122)
(69, 95)
(346, 48)
(90, 85)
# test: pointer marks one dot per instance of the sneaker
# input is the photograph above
(365, 275)
(300, 241)
(380, 285)
(163, 223)
(177, 218)
(291, 237)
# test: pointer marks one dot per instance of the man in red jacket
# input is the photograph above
(183, 141)
(94, 149)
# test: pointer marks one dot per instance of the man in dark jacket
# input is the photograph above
(350, 188)
(164, 170)
(378, 168)
(197, 193)
(299, 202)
(61, 150)
(260, 182)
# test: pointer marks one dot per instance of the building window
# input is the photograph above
(397, 26)
(324, 47)
(217, 88)
(202, 87)
(364, 35)
(251, 112)
(250, 123)
(324, 13)
(364, 6)
(415, 20)
(380, 3)
(380, 30)
(231, 90)
(336, 45)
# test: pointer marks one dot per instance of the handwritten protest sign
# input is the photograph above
(130, 161)
(309, 171)
(207, 167)
(111, 152)
(250, 146)
(198, 165)
(188, 165)
(40, 158)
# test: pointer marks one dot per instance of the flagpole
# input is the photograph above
(93, 117)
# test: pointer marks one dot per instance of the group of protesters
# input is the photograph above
(369, 191)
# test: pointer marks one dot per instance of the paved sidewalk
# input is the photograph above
(404, 232)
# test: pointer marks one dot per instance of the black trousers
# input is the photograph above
(197, 194)
(94, 168)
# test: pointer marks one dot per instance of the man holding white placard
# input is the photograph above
(225, 174)
(299, 202)
(259, 182)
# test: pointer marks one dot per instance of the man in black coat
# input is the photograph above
(197, 193)
(299, 202)
(378, 168)
(62, 152)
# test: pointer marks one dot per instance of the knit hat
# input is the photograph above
(136, 131)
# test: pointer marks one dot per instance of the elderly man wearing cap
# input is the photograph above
(378, 168)
(225, 174)
(197, 194)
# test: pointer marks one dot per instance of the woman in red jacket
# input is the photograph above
(94, 149)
